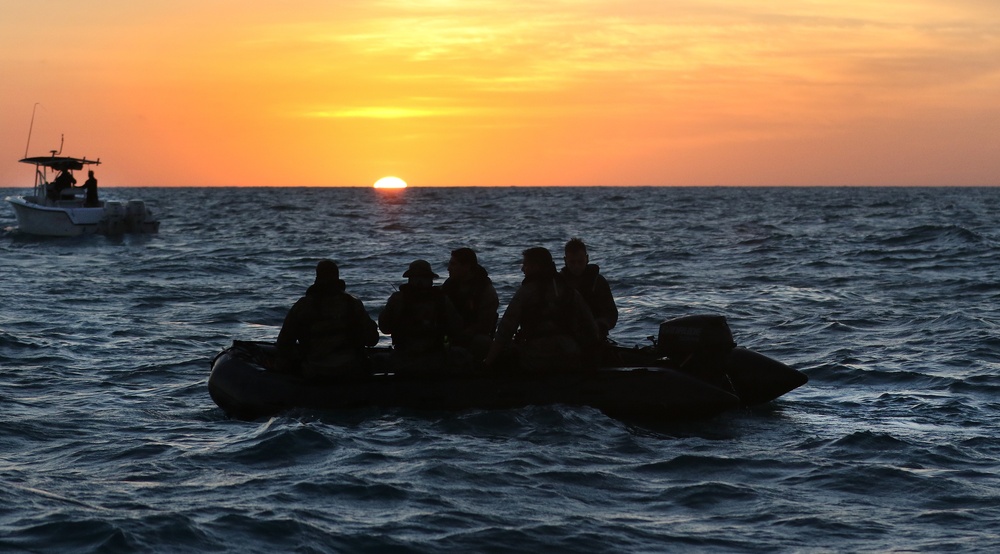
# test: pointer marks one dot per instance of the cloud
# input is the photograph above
(384, 112)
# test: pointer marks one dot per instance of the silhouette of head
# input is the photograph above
(575, 256)
(420, 268)
(420, 274)
(461, 263)
(537, 261)
(327, 271)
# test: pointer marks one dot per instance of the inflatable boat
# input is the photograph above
(694, 370)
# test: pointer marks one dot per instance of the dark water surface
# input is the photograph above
(889, 299)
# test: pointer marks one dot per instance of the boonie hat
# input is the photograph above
(420, 268)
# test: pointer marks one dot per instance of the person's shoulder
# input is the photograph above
(357, 305)
(489, 288)
(396, 296)
(529, 285)
(526, 288)
(483, 283)
(303, 303)
(353, 299)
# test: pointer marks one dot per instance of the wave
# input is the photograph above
(946, 235)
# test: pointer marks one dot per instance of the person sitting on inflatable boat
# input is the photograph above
(472, 293)
(420, 318)
(553, 324)
(326, 331)
(586, 278)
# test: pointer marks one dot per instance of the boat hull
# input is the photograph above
(241, 386)
(69, 218)
(54, 221)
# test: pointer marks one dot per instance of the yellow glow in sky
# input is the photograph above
(513, 92)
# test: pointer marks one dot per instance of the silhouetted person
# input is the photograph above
(472, 293)
(62, 182)
(420, 319)
(553, 325)
(586, 278)
(326, 331)
(90, 189)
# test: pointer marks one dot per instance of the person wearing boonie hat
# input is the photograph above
(420, 268)
(419, 318)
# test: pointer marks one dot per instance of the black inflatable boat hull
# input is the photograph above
(245, 390)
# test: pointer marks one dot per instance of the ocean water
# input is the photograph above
(888, 298)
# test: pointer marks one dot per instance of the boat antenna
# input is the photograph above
(62, 138)
(30, 127)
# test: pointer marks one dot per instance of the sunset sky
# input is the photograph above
(506, 92)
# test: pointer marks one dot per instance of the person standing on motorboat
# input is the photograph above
(586, 278)
(326, 331)
(472, 293)
(62, 182)
(90, 189)
(553, 326)
(421, 319)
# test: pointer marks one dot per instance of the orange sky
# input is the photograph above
(506, 92)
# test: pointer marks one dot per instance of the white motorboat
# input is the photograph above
(55, 208)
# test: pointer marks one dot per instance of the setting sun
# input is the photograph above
(390, 183)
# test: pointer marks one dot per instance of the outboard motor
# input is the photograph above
(700, 345)
(684, 337)
(135, 215)
(114, 218)
(703, 346)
